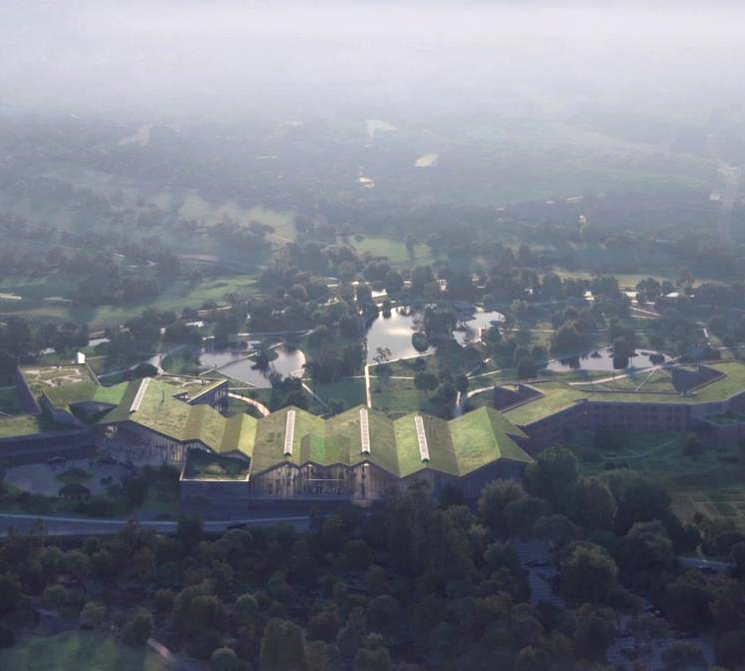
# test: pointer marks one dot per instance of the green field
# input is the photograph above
(350, 390)
(395, 250)
(395, 396)
(180, 294)
(78, 651)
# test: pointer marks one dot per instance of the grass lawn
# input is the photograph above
(73, 476)
(78, 651)
(395, 396)
(395, 250)
(179, 294)
(351, 391)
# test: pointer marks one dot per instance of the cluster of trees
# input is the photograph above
(414, 584)
(21, 340)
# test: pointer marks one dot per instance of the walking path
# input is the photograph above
(250, 401)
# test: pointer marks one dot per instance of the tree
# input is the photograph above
(138, 628)
(10, 593)
(225, 659)
(189, 531)
(557, 530)
(494, 499)
(283, 647)
(588, 574)
(358, 554)
(247, 607)
(646, 555)
(373, 656)
(567, 338)
(595, 631)
(324, 624)
(686, 602)
(522, 514)
(425, 381)
(420, 341)
(731, 648)
(640, 502)
(591, 504)
(684, 656)
(196, 609)
(532, 659)
(728, 604)
(552, 475)
(92, 615)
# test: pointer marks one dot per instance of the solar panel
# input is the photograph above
(421, 437)
(139, 395)
(289, 432)
(364, 431)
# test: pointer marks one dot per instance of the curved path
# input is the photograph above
(250, 401)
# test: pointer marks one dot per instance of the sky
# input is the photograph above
(175, 59)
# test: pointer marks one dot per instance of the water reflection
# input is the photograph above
(394, 332)
(602, 360)
(235, 364)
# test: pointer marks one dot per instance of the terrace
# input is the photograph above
(64, 385)
(201, 465)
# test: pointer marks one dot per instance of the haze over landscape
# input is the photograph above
(368, 336)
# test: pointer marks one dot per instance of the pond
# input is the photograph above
(236, 364)
(395, 332)
(601, 360)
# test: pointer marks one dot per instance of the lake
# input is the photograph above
(599, 360)
(395, 332)
(236, 364)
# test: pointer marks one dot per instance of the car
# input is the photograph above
(538, 563)
(708, 570)
(236, 525)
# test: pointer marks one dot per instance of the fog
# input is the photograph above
(165, 61)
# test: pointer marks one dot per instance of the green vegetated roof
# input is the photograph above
(159, 411)
(17, 426)
(557, 395)
(112, 395)
(194, 391)
(483, 436)
(63, 385)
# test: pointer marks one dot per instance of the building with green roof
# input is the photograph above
(360, 455)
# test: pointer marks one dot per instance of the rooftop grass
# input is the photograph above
(63, 385)
(28, 425)
(558, 395)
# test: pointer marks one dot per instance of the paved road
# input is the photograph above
(78, 526)
(704, 563)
